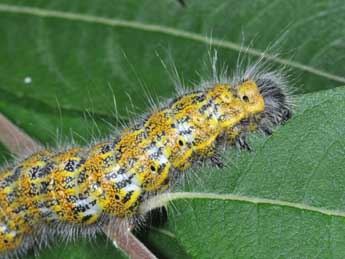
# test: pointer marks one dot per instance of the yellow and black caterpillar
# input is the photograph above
(82, 188)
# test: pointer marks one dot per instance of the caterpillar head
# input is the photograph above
(266, 100)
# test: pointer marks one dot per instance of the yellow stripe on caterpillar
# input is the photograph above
(111, 179)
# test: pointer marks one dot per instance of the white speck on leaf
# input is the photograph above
(27, 80)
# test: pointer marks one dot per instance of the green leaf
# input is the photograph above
(162, 242)
(62, 62)
(78, 54)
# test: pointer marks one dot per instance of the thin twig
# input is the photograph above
(124, 239)
(14, 139)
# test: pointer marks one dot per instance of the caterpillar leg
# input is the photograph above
(216, 161)
(237, 136)
(242, 142)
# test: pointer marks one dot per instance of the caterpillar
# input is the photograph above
(80, 189)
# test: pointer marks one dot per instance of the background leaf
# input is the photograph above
(62, 61)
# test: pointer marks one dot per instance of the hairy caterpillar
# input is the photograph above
(80, 189)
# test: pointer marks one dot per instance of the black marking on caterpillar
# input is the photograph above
(81, 189)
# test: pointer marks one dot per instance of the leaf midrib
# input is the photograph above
(163, 199)
(72, 16)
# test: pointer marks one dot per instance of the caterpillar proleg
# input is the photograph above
(82, 189)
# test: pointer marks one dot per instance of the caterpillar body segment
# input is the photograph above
(82, 186)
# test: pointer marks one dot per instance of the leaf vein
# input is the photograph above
(45, 13)
(163, 199)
